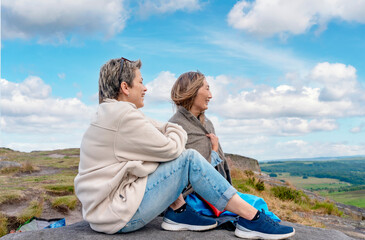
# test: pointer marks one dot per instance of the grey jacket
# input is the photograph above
(198, 140)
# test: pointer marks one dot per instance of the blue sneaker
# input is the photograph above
(189, 219)
(262, 228)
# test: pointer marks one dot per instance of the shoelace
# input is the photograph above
(269, 219)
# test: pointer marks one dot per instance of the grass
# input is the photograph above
(4, 150)
(13, 195)
(313, 183)
(26, 167)
(34, 209)
(324, 186)
(64, 202)
(355, 198)
(241, 186)
(329, 208)
(57, 189)
(9, 170)
(3, 225)
(43, 159)
(286, 193)
(245, 181)
(54, 178)
(285, 201)
(298, 197)
(60, 189)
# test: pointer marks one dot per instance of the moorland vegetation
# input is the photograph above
(341, 180)
(44, 183)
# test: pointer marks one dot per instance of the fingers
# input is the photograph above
(214, 139)
(211, 135)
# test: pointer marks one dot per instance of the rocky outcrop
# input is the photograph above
(81, 230)
(243, 163)
(8, 164)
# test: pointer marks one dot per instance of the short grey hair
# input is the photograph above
(110, 77)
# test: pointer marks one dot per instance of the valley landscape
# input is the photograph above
(40, 184)
(342, 180)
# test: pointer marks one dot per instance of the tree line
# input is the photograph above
(351, 171)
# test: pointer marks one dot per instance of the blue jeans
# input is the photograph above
(170, 178)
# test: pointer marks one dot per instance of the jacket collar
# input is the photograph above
(190, 117)
(110, 100)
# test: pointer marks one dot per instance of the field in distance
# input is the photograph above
(341, 180)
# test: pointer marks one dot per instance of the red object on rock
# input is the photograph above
(214, 209)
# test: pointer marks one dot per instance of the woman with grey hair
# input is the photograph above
(132, 168)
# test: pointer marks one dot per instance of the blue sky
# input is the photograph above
(287, 77)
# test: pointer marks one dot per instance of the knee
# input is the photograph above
(193, 155)
(188, 156)
(196, 159)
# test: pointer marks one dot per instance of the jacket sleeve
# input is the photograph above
(215, 159)
(141, 139)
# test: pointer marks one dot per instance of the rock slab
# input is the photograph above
(8, 164)
(82, 230)
(243, 163)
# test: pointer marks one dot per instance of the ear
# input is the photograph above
(124, 88)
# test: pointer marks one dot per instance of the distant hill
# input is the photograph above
(356, 157)
(350, 171)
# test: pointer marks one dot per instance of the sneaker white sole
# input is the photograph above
(169, 225)
(259, 235)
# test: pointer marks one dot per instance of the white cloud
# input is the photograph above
(241, 48)
(267, 18)
(358, 129)
(268, 148)
(39, 146)
(295, 148)
(248, 118)
(149, 7)
(79, 95)
(273, 127)
(337, 94)
(355, 129)
(28, 107)
(159, 90)
(53, 21)
(253, 146)
(221, 86)
(32, 86)
(94, 98)
(311, 106)
(339, 81)
(61, 75)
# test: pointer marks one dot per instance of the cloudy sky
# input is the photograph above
(287, 77)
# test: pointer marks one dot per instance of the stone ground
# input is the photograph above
(81, 230)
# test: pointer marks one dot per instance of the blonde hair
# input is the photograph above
(185, 89)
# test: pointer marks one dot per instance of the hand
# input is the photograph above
(214, 140)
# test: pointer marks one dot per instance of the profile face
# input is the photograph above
(138, 91)
(202, 98)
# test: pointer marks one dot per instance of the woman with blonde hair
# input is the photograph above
(191, 95)
(132, 167)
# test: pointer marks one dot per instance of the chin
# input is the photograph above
(140, 105)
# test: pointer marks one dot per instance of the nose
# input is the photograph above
(210, 95)
(144, 88)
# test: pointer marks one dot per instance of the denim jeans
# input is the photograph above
(168, 181)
